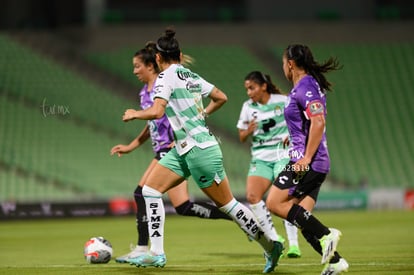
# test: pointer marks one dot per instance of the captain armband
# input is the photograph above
(314, 108)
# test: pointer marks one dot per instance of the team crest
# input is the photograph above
(278, 111)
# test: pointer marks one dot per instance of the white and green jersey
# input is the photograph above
(183, 90)
(267, 139)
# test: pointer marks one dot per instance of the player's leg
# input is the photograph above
(180, 200)
(256, 187)
(222, 196)
(220, 193)
(210, 176)
(279, 204)
(159, 181)
(336, 264)
(141, 220)
(291, 230)
(288, 185)
(167, 173)
(292, 236)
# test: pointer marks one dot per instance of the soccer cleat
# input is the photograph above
(149, 260)
(135, 252)
(335, 268)
(329, 243)
(280, 239)
(273, 257)
(294, 252)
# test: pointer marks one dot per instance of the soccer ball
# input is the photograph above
(97, 250)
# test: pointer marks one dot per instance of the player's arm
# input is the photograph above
(218, 98)
(315, 112)
(245, 133)
(141, 138)
(135, 143)
(317, 127)
(286, 142)
(157, 110)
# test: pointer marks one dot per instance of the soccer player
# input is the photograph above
(161, 134)
(179, 93)
(262, 118)
(294, 193)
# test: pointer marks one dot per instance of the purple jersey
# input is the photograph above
(160, 129)
(303, 100)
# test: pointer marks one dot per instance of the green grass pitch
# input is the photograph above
(373, 242)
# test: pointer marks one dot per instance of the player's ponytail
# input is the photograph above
(303, 58)
(186, 60)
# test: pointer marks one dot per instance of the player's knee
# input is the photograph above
(252, 198)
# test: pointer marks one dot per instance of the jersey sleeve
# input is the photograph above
(161, 88)
(243, 122)
(206, 87)
(310, 102)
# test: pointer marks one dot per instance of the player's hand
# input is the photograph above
(129, 115)
(252, 126)
(120, 149)
(286, 142)
(301, 165)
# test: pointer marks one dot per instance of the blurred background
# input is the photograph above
(66, 79)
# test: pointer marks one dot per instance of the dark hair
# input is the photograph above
(147, 55)
(260, 78)
(168, 46)
(303, 58)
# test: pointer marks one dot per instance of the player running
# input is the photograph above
(179, 93)
(161, 134)
(262, 118)
(294, 193)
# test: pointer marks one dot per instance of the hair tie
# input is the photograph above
(160, 49)
(166, 51)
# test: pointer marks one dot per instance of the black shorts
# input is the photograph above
(300, 185)
(161, 153)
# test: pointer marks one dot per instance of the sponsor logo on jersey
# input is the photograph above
(193, 87)
(184, 74)
(309, 94)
